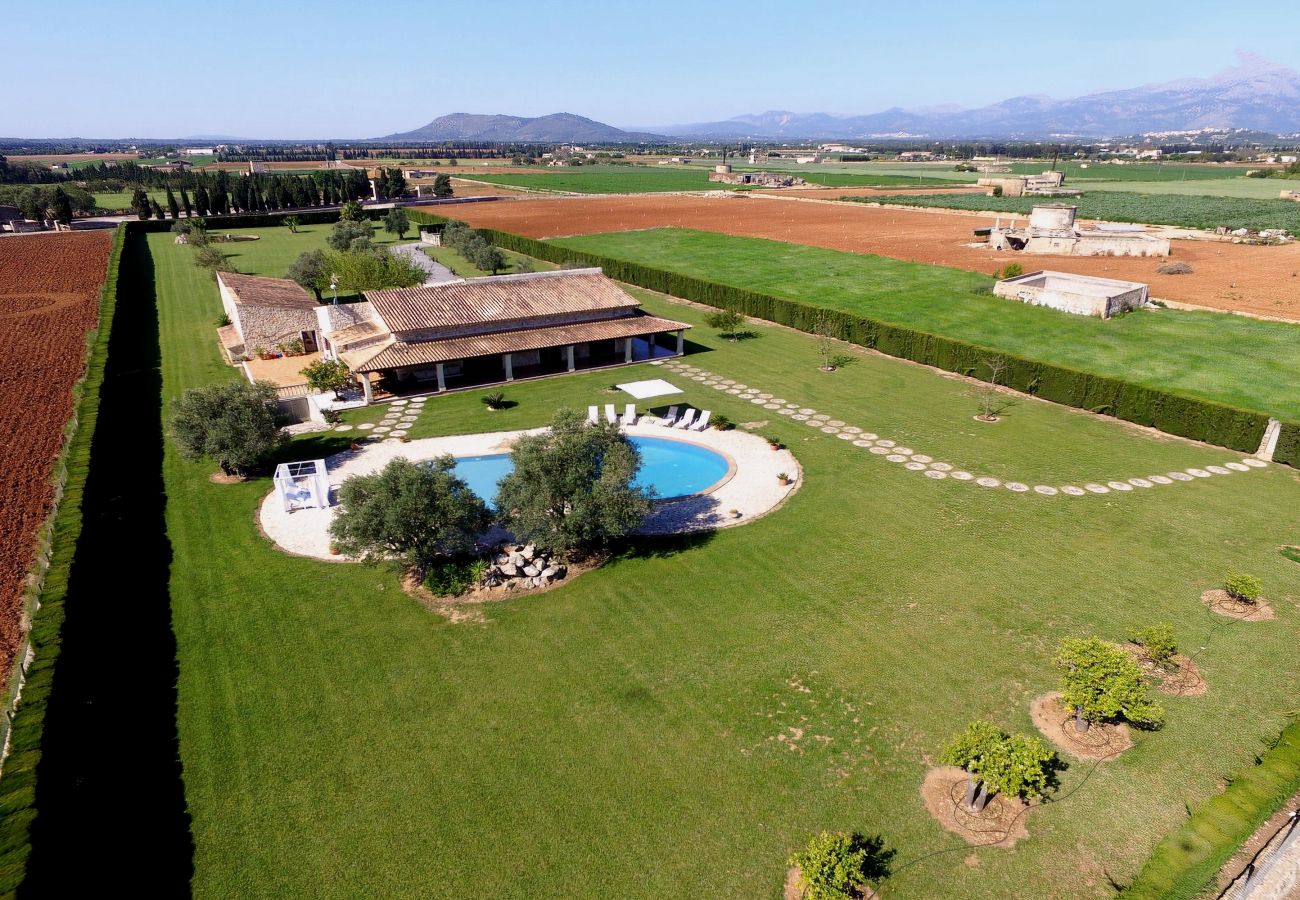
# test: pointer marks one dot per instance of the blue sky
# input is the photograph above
(355, 69)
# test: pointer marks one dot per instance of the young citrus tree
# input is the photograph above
(1101, 683)
(836, 865)
(1243, 587)
(1157, 641)
(1019, 765)
(726, 322)
(968, 751)
(328, 375)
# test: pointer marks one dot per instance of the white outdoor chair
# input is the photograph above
(702, 422)
(610, 415)
(686, 420)
(670, 418)
(629, 414)
(593, 415)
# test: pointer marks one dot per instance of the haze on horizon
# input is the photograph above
(330, 69)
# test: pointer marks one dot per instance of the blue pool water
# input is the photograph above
(672, 468)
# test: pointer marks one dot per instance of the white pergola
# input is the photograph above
(303, 485)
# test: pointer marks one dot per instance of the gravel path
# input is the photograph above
(437, 272)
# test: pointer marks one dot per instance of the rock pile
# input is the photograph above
(523, 566)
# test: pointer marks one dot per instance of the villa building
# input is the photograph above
(266, 314)
(481, 331)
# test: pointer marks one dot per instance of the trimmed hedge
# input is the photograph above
(1288, 445)
(18, 782)
(1187, 860)
(1189, 417)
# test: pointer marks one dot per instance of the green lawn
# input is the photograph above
(119, 201)
(461, 266)
(1232, 359)
(618, 737)
(1132, 205)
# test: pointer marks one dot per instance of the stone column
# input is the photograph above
(442, 382)
(681, 343)
(366, 388)
(568, 354)
(510, 371)
(627, 350)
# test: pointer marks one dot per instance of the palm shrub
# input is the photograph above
(835, 865)
(1102, 683)
(494, 400)
(1243, 587)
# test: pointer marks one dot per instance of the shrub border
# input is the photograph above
(1185, 863)
(47, 591)
(1167, 411)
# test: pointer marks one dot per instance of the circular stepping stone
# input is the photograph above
(1017, 487)
(1180, 476)
(940, 467)
(896, 457)
(766, 396)
(1045, 490)
(400, 402)
(987, 482)
(380, 429)
(799, 417)
(887, 443)
(1199, 473)
(1072, 491)
(812, 423)
(906, 451)
(826, 429)
(342, 427)
(821, 417)
(879, 451)
(741, 387)
(844, 436)
(697, 378)
(398, 432)
(757, 401)
(806, 411)
(931, 473)
(785, 412)
(1254, 463)
(407, 420)
(836, 422)
(852, 429)
(728, 381)
(1096, 488)
(962, 476)
(1237, 467)
(366, 426)
(1140, 482)
(868, 436)
(771, 406)
(1119, 485)
(914, 466)
(921, 457)
(732, 391)
(1161, 479)
(860, 443)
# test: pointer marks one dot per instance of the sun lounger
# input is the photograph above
(629, 414)
(686, 420)
(670, 418)
(610, 416)
(593, 415)
(702, 422)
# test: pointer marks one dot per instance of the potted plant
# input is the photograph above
(783, 477)
(404, 439)
(334, 551)
(734, 513)
(774, 443)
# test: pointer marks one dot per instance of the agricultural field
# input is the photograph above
(1241, 362)
(654, 179)
(1247, 188)
(49, 300)
(1146, 172)
(682, 740)
(1178, 209)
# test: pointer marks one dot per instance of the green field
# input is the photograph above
(1130, 172)
(459, 265)
(618, 737)
(1249, 188)
(1230, 359)
(1173, 208)
(658, 179)
(118, 201)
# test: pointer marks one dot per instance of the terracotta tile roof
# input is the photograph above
(229, 337)
(254, 290)
(498, 300)
(356, 332)
(400, 353)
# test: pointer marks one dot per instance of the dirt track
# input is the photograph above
(1259, 280)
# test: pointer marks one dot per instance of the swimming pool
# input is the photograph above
(672, 468)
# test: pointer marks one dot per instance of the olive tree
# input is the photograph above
(311, 271)
(236, 423)
(572, 485)
(397, 222)
(416, 512)
(726, 322)
(350, 234)
(1102, 683)
(328, 375)
(837, 865)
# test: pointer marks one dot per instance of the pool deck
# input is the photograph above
(752, 488)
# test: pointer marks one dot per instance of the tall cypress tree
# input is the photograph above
(61, 207)
(185, 202)
(140, 203)
(201, 202)
(172, 206)
(158, 211)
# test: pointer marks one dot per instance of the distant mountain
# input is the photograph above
(557, 128)
(1256, 94)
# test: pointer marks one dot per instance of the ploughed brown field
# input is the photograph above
(49, 299)
(1259, 280)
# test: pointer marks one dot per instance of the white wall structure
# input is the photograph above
(1052, 229)
(1082, 295)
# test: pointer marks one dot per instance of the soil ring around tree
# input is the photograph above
(1178, 677)
(1100, 741)
(999, 824)
(988, 420)
(796, 890)
(465, 607)
(1222, 603)
(219, 477)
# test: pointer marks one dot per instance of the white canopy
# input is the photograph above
(303, 485)
(654, 388)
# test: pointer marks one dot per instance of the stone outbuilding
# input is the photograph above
(1053, 228)
(1083, 295)
(265, 314)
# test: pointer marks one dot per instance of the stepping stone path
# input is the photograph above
(920, 462)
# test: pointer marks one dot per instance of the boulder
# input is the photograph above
(549, 572)
(517, 559)
(560, 571)
(529, 552)
(532, 571)
(510, 570)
